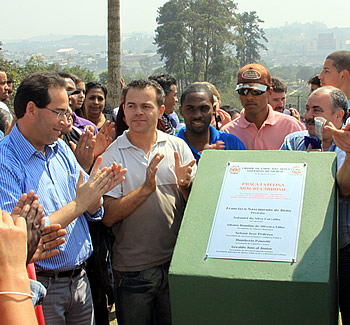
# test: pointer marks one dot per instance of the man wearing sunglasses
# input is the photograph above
(259, 127)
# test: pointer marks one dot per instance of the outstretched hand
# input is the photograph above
(340, 137)
(150, 183)
(84, 149)
(29, 208)
(219, 145)
(104, 138)
(13, 243)
(51, 238)
(100, 182)
(183, 172)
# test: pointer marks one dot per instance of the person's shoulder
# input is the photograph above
(172, 139)
(113, 150)
(286, 117)
(9, 157)
(293, 140)
(231, 140)
(237, 123)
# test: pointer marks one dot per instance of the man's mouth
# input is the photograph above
(197, 122)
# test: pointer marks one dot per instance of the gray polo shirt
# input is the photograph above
(147, 237)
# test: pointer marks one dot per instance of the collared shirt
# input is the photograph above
(53, 177)
(271, 134)
(81, 123)
(146, 238)
(295, 141)
(231, 141)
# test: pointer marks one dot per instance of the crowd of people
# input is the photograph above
(92, 196)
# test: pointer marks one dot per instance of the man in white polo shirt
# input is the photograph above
(146, 211)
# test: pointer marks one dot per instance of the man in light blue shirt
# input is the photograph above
(33, 158)
(330, 103)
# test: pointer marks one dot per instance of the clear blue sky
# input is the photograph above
(21, 19)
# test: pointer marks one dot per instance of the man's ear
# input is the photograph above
(344, 75)
(31, 109)
(161, 111)
(340, 113)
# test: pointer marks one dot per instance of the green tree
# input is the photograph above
(103, 78)
(82, 73)
(195, 38)
(253, 35)
(171, 38)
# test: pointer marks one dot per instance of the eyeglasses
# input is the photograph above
(60, 115)
(254, 92)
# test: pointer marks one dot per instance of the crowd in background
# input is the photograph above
(92, 196)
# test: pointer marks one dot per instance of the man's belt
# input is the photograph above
(63, 274)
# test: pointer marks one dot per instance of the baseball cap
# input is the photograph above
(254, 76)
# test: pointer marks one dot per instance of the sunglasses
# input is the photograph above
(254, 92)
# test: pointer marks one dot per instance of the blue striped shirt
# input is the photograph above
(53, 177)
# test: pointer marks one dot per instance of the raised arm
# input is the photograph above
(89, 194)
(118, 209)
(342, 140)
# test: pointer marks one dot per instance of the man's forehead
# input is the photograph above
(58, 95)
(141, 94)
(329, 63)
(69, 84)
(197, 96)
(322, 100)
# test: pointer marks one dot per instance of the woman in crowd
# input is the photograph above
(95, 100)
(78, 100)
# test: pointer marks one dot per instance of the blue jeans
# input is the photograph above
(38, 291)
(142, 297)
(68, 300)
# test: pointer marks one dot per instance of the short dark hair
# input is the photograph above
(95, 85)
(165, 80)
(197, 88)
(314, 80)
(35, 88)
(339, 100)
(142, 84)
(279, 85)
(341, 60)
(68, 76)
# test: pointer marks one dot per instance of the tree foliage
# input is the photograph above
(207, 40)
(253, 35)
(196, 37)
(36, 63)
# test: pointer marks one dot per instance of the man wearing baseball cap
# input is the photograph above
(259, 127)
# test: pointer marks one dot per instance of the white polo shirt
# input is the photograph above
(147, 237)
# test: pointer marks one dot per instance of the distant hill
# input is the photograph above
(88, 44)
(291, 44)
